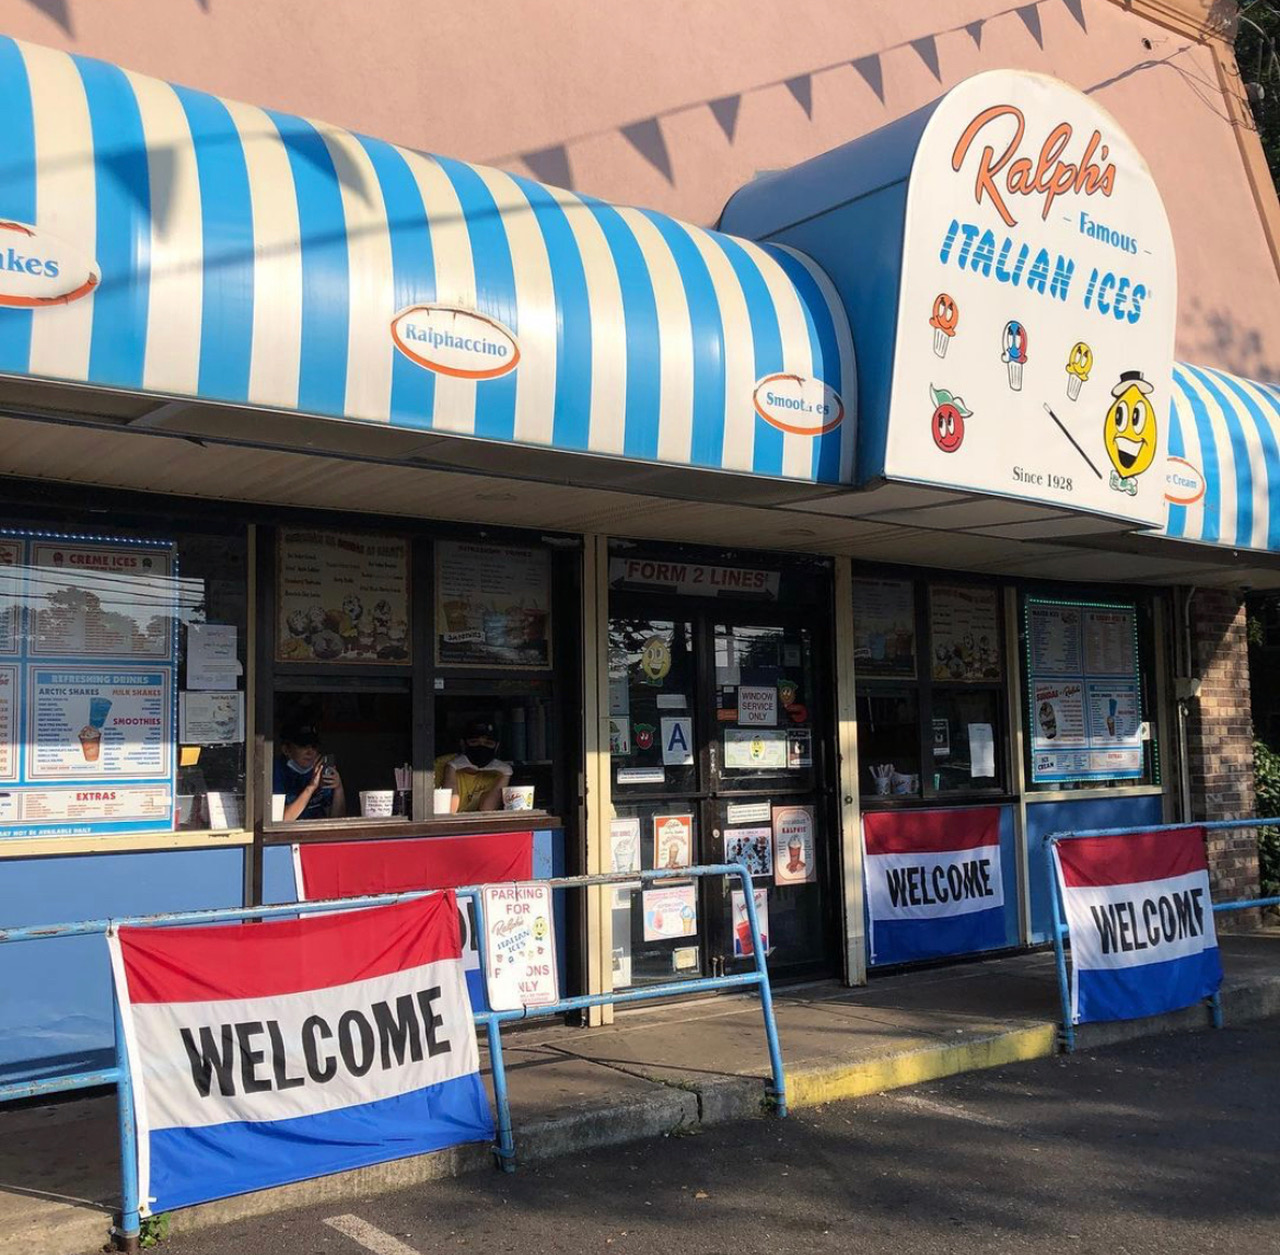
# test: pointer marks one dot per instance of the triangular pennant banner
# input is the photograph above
(801, 87)
(974, 31)
(647, 139)
(1030, 15)
(872, 73)
(726, 113)
(550, 165)
(1076, 9)
(927, 51)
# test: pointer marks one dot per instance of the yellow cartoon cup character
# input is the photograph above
(655, 659)
(943, 320)
(1130, 431)
(1079, 364)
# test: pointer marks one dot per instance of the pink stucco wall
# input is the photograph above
(616, 100)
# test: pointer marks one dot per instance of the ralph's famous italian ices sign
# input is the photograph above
(1038, 299)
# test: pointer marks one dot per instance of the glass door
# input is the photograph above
(767, 801)
(718, 728)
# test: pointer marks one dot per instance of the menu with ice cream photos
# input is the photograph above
(493, 605)
(342, 597)
(1083, 686)
(88, 632)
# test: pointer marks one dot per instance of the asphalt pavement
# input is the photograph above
(1162, 1145)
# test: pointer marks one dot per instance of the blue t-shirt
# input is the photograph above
(288, 780)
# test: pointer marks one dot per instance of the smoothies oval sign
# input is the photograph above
(454, 341)
(798, 405)
(38, 269)
(1037, 304)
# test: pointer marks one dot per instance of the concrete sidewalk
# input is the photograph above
(655, 1071)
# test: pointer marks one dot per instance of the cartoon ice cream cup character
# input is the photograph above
(944, 320)
(1079, 364)
(1014, 352)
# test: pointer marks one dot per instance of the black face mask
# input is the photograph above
(480, 755)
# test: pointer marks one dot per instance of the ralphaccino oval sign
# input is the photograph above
(1183, 483)
(798, 404)
(38, 269)
(452, 341)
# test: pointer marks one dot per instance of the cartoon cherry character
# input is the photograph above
(949, 414)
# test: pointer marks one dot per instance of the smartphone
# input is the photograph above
(327, 770)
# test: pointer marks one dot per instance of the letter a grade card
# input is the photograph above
(1141, 924)
(934, 883)
(274, 1052)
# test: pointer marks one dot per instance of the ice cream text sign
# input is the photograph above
(1037, 304)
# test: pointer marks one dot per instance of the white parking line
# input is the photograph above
(369, 1236)
(947, 1109)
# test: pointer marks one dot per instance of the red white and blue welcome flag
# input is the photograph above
(1141, 923)
(934, 883)
(275, 1052)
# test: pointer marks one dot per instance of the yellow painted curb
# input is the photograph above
(823, 1085)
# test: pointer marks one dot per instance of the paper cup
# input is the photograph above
(376, 803)
(441, 801)
(277, 808)
(517, 797)
(1015, 376)
(940, 341)
(1073, 386)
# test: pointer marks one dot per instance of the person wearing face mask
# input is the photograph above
(312, 789)
(475, 775)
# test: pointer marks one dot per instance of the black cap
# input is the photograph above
(478, 728)
(300, 734)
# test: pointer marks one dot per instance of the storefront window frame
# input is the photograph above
(424, 678)
(924, 686)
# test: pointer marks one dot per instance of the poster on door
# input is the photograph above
(670, 912)
(793, 846)
(752, 847)
(624, 845)
(672, 841)
(11, 594)
(342, 597)
(677, 742)
(743, 945)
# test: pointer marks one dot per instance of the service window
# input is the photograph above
(929, 659)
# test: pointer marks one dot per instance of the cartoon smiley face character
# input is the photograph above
(947, 423)
(539, 927)
(1013, 352)
(655, 659)
(943, 320)
(1130, 431)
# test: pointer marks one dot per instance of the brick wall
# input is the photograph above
(1220, 739)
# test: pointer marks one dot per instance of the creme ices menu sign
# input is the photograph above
(87, 696)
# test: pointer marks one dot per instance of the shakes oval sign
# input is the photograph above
(38, 269)
(453, 341)
(798, 405)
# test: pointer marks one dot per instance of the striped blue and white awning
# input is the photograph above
(161, 240)
(1223, 478)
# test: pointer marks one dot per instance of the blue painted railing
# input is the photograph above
(1061, 934)
(127, 1231)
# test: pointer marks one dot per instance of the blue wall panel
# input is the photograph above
(55, 1006)
(1046, 817)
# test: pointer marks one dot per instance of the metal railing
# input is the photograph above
(127, 1230)
(1061, 933)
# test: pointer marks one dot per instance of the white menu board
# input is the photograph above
(1084, 692)
(342, 597)
(87, 706)
(884, 627)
